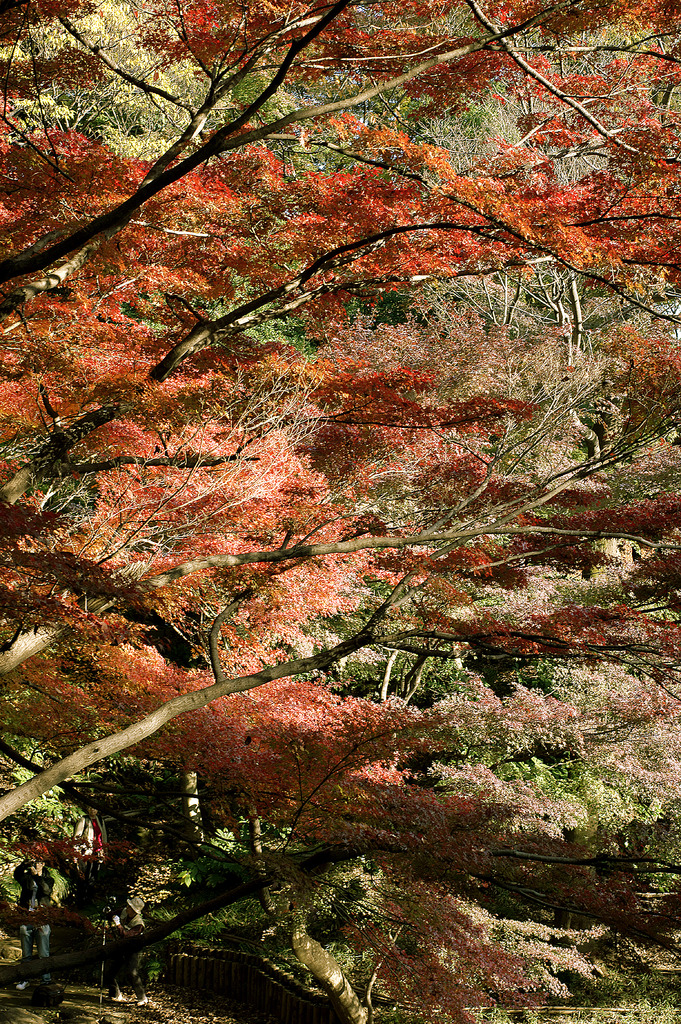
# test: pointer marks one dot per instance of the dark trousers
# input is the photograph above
(86, 881)
(118, 970)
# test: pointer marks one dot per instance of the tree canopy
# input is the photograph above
(340, 399)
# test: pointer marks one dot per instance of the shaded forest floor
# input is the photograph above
(166, 1006)
(81, 1005)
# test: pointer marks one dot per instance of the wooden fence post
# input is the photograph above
(186, 971)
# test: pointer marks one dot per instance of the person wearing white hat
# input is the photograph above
(128, 923)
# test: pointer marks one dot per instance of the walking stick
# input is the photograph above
(101, 973)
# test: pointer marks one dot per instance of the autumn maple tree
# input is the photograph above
(341, 366)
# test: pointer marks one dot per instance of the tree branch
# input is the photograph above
(104, 747)
(53, 450)
(228, 137)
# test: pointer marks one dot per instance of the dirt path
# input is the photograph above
(81, 1005)
(166, 1006)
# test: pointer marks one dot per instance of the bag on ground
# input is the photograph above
(47, 995)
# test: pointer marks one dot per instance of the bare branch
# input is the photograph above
(139, 83)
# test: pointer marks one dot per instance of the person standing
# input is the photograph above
(128, 924)
(90, 838)
(36, 884)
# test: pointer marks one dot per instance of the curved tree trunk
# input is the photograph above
(328, 975)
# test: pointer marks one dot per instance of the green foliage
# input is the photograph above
(208, 930)
(391, 307)
(640, 1011)
(209, 873)
(153, 964)
(289, 331)
(9, 890)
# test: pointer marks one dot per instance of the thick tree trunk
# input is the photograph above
(386, 675)
(191, 809)
(26, 645)
(328, 976)
(255, 840)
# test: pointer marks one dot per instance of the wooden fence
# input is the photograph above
(249, 979)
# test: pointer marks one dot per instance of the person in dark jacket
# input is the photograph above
(127, 923)
(36, 884)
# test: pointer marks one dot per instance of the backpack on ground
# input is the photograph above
(47, 995)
